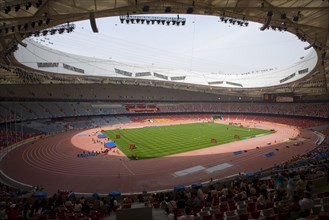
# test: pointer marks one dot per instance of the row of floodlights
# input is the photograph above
(25, 26)
(283, 16)
(234, 21)
(68, 28)
(153, 20)
(26, 4)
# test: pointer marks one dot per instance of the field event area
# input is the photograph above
(159, 141)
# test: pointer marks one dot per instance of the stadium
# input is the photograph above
(93, 130)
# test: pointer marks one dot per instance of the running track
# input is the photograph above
(53, 163)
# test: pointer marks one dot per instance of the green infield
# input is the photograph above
(160, 141)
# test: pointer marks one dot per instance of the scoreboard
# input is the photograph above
(278, 97)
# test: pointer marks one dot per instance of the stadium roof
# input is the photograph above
(309, 20)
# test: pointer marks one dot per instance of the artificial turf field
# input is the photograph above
(160, 141)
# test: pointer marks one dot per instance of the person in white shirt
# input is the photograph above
(306, 204)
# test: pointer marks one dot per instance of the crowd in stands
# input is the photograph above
(318, 156)
(298, 122)
(288, 191)
(42, 110)
(8, 137)
(297, 109)
(170, 118)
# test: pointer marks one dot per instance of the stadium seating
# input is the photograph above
(313, 165)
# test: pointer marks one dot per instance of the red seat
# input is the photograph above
(223, 209)
(283, 216)
(251, 204)
(128, 205)
(232, 207)
(269, 205)
(52, 216)
(272, 217)
(177, 212)
(207, 217)
(231, 203)
(261, 207)
(244, 216)
(219, 216)
(255, 215)
(251, 208)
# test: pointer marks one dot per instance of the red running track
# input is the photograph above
(53, 163)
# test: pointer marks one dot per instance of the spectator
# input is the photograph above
(85, 207)
(306, 204)
(301, 185)
(291, 186)
(188, 215)
(77, 206)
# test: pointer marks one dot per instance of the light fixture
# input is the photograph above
(28, 5)
(7, 9)
(61, 30)
(269, 13)
(38, 3)
(17, 7)
(153, 20)
(146, 8)
(189, 10)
